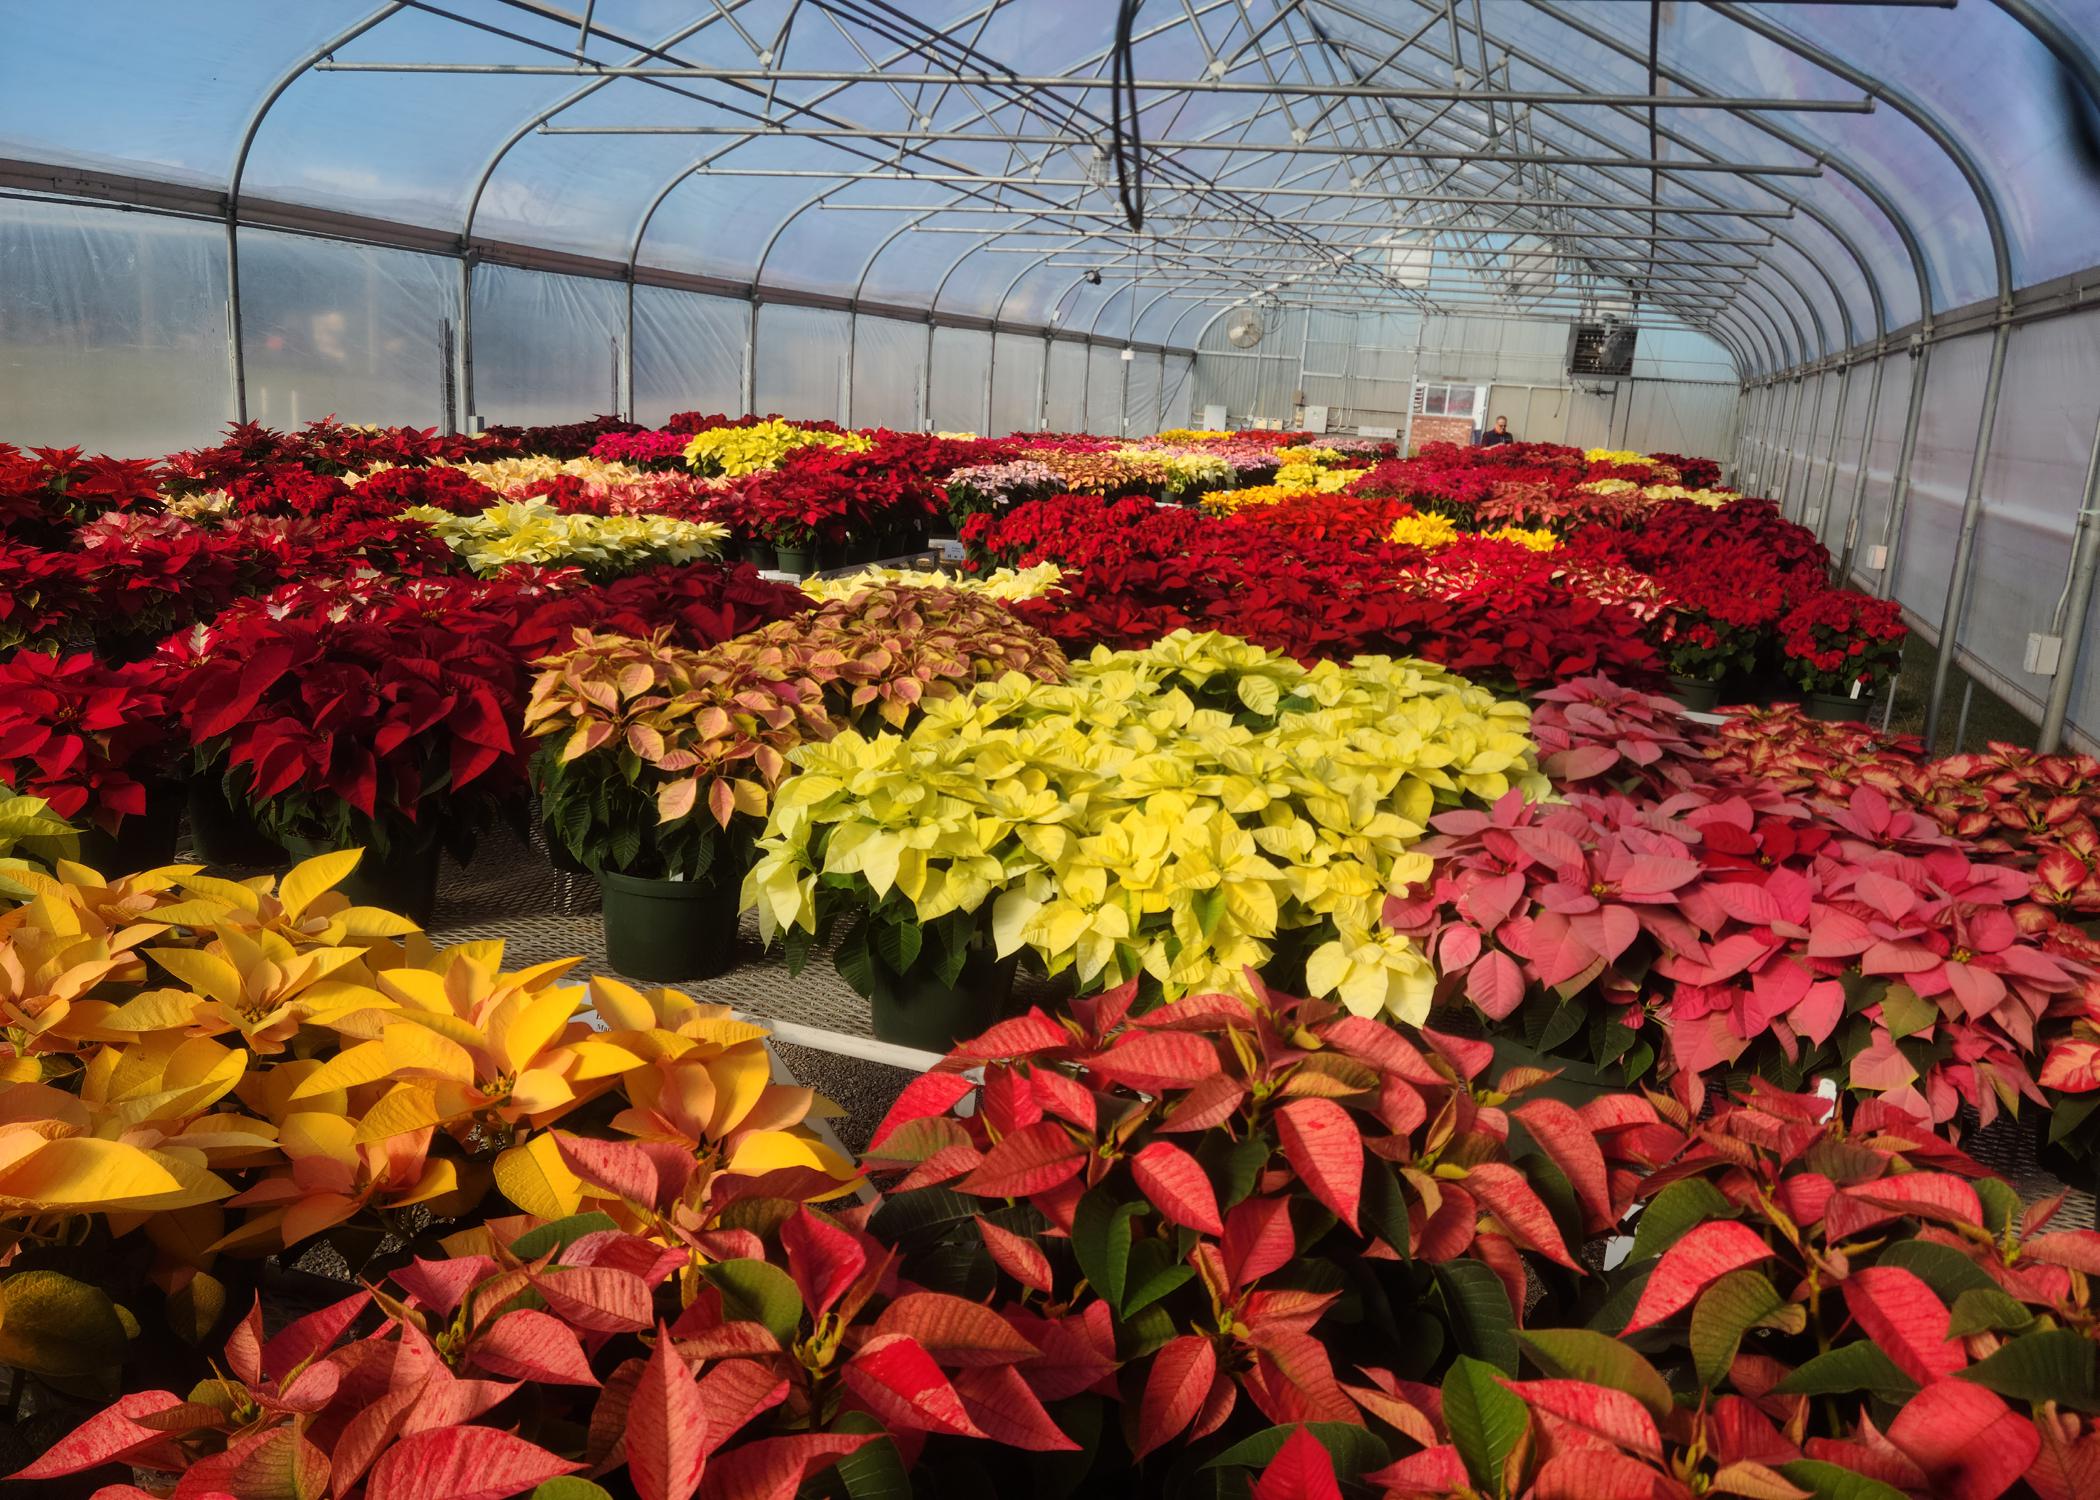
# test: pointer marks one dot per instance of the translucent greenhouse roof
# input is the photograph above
(1792, 180)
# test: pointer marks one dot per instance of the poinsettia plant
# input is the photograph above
(87, 738)
(1843, 642)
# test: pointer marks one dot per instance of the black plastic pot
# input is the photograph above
(224, 834)
(915, 1009)
(405, 881)
(669, 929)
(143, 841)
(1833, 709)
(1698, 694)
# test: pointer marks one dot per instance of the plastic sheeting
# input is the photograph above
(1066, 402)
(800, 359)
(889, 372)
(688, 352)
(962, 375)
(546, 348)
(351, 331)
(1017, 382)
(112, 329)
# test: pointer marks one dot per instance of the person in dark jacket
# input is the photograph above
(1498, 435)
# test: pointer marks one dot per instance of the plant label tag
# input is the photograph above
(948, 548)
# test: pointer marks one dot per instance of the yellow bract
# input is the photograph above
(532, 533)
(1426, 531)
(1180, 811)
(1004, 584)
(762, 445)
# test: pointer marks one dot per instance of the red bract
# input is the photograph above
(43, 491)
(80, 734)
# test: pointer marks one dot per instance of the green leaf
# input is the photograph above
(1238, 1169)
(1355, 1450)
(2067, 1114)
(756, 1292)
(1600, 1359)
(1384, 1208)
(1566, 1020)
(1942, 1267)
(1101, 1236)
(194, 1307)
(1690, 1201)
(853, 958)
(1153, 1273)
(1850, 1367)
(2056, 1364)
(1986, 1309)
(875, 1472)
(568, 1487)
(54, 1326)
(899, 943)
(1486, 1419)
(559, 1234)
(1210, 909)
(1904, 1013)
(2001, 1203)
(1725, 1311)
(1482, 1323)
(1145, 1332)
(1835, 1482)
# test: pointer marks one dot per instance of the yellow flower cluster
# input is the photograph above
(1308, 453)
(1426, 531)
(238, 1066)
(746, 450)
(506, 474)
(1711, 499)
(1184, 471)
(1540, 540)
(1179, 812)
(1614, 456)
(1194, 435)
(1004, 584)
(533, 533)
(1301, 478)
(1225, 502)
(1609, 487)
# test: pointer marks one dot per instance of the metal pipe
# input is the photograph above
(2077, 602)
(1785, 458)
(1859, 480)
(1899, 491)
(1971, 515)
(1807, 453)
(1274, 148)
(1293, 88)
(1060, 215)
(469, 419)
(750, 381)
(627, 345)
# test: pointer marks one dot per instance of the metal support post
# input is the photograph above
(2072, 609)
(852, 351)
(1859, 480)
(469, 422)
(1971, 513)
(1042, 389)
(926, 413)
(991, 377)
(750, 391)
(1806, 437)
(1784, 460)
(627, 348)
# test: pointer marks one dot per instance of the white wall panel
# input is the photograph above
(889, 373)
(1939, 472)
(1104, 391)
(546, 348)
(962, 375)
(1141, 406)
(1017, 383)
(801, 359)
(1067, 390)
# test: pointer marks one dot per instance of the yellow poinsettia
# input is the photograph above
(1614, 456)
(329, 1175)
(255, 983)
(1004, 584)
(461, 1040)
(761, 445)
(1539, 540)
(1425, 531)
(53, 1161)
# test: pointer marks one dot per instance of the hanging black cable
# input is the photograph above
(1126, 145)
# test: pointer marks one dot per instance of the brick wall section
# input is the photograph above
(1441, 430)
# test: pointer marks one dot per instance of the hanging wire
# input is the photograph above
(1126, 145)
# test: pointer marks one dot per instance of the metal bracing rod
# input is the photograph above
(1261, 261)
(1899, 490)
(1783, 457)
(1953, 611)
(1859, 479)
(1015, 179)
(1808, 443)
(1022, 211)
(1258, 148)
(1331, 252)
(2076, 604)
(1292, 87)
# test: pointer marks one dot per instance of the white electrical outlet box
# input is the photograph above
(1877, 559)
(1814, 516)
(2042, 654)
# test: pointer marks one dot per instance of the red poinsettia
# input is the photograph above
(81, 735)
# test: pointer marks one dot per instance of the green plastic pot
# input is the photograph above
(793, 560)
(1698, 694)
(669, 929)
(405, 881)
(1833, 709)
(224, 833)
(915, 1009)
(143, 841)
(761, 553)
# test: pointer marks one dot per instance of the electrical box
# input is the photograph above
(1814, 517)
(2042, 654)
(1877, 559)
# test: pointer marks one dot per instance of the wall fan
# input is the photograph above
(1244, 330)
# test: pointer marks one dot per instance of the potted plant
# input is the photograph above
(375, 719)
(1839, 645)
(95, 742)
(656, 769)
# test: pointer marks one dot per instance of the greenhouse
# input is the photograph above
(820, 749)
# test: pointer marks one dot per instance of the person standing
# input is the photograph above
(1498, 434)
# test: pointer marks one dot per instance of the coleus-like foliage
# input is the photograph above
(1218, 1210)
